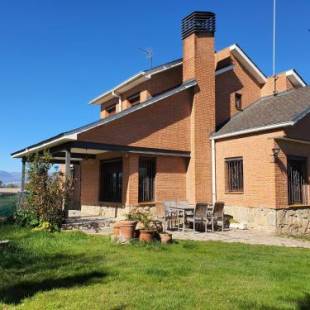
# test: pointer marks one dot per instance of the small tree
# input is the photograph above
(1, 183)
(46, 193)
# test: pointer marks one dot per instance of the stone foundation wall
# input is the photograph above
(294, 221)
(118, 212)
(258, 218)
(106, 211)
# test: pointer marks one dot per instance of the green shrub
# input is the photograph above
(46, 193)
(26, 217)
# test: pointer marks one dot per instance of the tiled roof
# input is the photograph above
(285, 109)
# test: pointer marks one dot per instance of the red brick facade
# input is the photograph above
(185, 122)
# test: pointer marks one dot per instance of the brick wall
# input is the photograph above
(282, 84)
(157, 84)
(199, 63)
(230, 82)
(259, 170)
(170, 181)
(165, 125)
(89, 182)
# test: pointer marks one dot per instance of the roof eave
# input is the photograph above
(131, 82)
(295, 78)
(134, 81)
(253, 130)
(73, 134)
(248, 63)
(45, 145)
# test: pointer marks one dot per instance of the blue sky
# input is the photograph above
(56, 55)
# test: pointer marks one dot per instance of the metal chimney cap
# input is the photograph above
(198, 22)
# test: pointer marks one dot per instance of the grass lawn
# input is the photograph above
(75, 271)
(7, 204)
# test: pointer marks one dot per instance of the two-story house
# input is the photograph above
(207, 127)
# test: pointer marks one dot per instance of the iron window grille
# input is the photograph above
(234, 174)
(297, 180)
(147, 172)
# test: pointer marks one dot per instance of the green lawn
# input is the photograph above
(7, 204)
(76, 271)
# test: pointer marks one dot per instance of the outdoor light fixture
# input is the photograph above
(275, 152)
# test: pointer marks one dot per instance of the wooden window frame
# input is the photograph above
(132, 101)
(102, 193)
(234, 165)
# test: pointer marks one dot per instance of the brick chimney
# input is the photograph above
(199, 63)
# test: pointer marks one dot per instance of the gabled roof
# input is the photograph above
(248, 63)
(134, 81)
(147, 74)
(295, 78)
(282, 110)
(72, 134)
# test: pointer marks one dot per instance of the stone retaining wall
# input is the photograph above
(293, 221)
(118, 212)
(258, 218)
(106, 211)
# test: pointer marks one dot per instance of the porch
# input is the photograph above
(109, 179)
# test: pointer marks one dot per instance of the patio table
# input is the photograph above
(182, 209)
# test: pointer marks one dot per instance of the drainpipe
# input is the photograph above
(213, 162)
(114, 94)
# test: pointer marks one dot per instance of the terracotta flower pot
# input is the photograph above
(116, 229)
(126, 230)
(146, 235)
(165, 238)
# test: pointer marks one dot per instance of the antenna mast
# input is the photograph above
(274, 48)
(148, 54)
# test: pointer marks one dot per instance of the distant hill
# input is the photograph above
(10, 177)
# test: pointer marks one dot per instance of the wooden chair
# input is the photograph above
(218, 215)
(169, 216)
(200, 216)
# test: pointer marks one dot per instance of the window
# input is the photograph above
(297, 184)
(147, 172)
(111, 179)
(234, 174)
(134, 99)
(111, 109)
(238, 101)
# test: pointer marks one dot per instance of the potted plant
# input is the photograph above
(127, 228)
(116, 231)
(165, 237)
(147, 232)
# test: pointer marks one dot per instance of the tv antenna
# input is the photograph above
(274, 48)
(148, 54)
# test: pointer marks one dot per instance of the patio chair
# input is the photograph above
(186, 211)
(200, 216)
(217, 217)
(169, 215)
